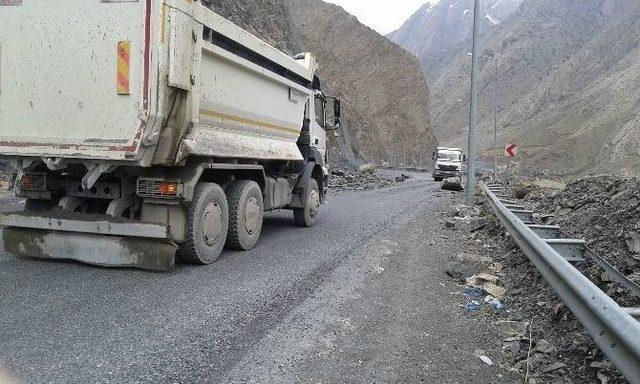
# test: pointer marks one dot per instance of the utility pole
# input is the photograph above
(495, 130)
(471, 169)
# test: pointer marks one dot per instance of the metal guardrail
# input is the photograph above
(612, 327)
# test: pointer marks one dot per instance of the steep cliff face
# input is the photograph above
(385, 96)
(267, 19)
(569, 87)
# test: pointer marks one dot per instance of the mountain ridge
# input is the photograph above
(437, 32)
(568, 86)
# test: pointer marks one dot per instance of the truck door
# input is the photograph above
(319, 125)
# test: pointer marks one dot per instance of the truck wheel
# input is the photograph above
(246, 213)
(207, 225)
(307, 216)
(438, 179)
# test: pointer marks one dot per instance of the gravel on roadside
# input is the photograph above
(555, 348)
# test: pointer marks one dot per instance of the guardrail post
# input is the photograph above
(572, 250)
(524, 215)
(546, 231)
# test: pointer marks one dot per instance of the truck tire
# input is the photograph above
(246, 213)
(438, 179)
(307, 216)
(207, 225)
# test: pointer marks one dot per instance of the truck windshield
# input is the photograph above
(449, 156)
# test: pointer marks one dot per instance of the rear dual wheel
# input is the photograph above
(215, 219)
(246, 214)
(207, 225)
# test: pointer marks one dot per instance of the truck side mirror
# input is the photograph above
(433, 156)
(337, 113)
(464, 158)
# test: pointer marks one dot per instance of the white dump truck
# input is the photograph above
(142, 130)
(448, 163)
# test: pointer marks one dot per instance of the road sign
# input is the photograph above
(511, 150)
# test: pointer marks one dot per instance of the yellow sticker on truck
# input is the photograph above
(124, 67)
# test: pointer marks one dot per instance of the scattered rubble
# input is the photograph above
(488, 283)
(543, 346)
(462, 211)
(523, 187)
(462, 266)
(4, 184)
(554, 367)
(452, 184)
(511, 328)
(402, 177)
(6, 177)
(366, 177)
(472, 305)
(604, 210)
(480, 354)
(367, 168)
(540, 338)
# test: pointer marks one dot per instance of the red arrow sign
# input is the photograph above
(511, 150)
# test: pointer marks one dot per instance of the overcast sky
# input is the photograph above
(382, 15)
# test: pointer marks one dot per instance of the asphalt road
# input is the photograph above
(359, 298)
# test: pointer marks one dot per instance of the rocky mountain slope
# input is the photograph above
(267, 19)
(568, 86)
(436, 33)
(385, 96)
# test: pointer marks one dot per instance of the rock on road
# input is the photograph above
(359, 298)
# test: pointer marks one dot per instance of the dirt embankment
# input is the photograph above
(542, 340)
(603, 210)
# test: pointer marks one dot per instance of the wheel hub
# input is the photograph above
(212, 224)
(252, 215)
(314, 203)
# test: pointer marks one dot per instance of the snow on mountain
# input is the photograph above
(492, 19)
(435, 32)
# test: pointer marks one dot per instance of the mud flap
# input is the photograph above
(101, 250)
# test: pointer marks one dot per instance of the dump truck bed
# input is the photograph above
(111, 80)
(59, 75)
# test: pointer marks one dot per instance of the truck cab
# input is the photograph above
(449, 162)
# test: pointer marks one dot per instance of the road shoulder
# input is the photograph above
(388, 314)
